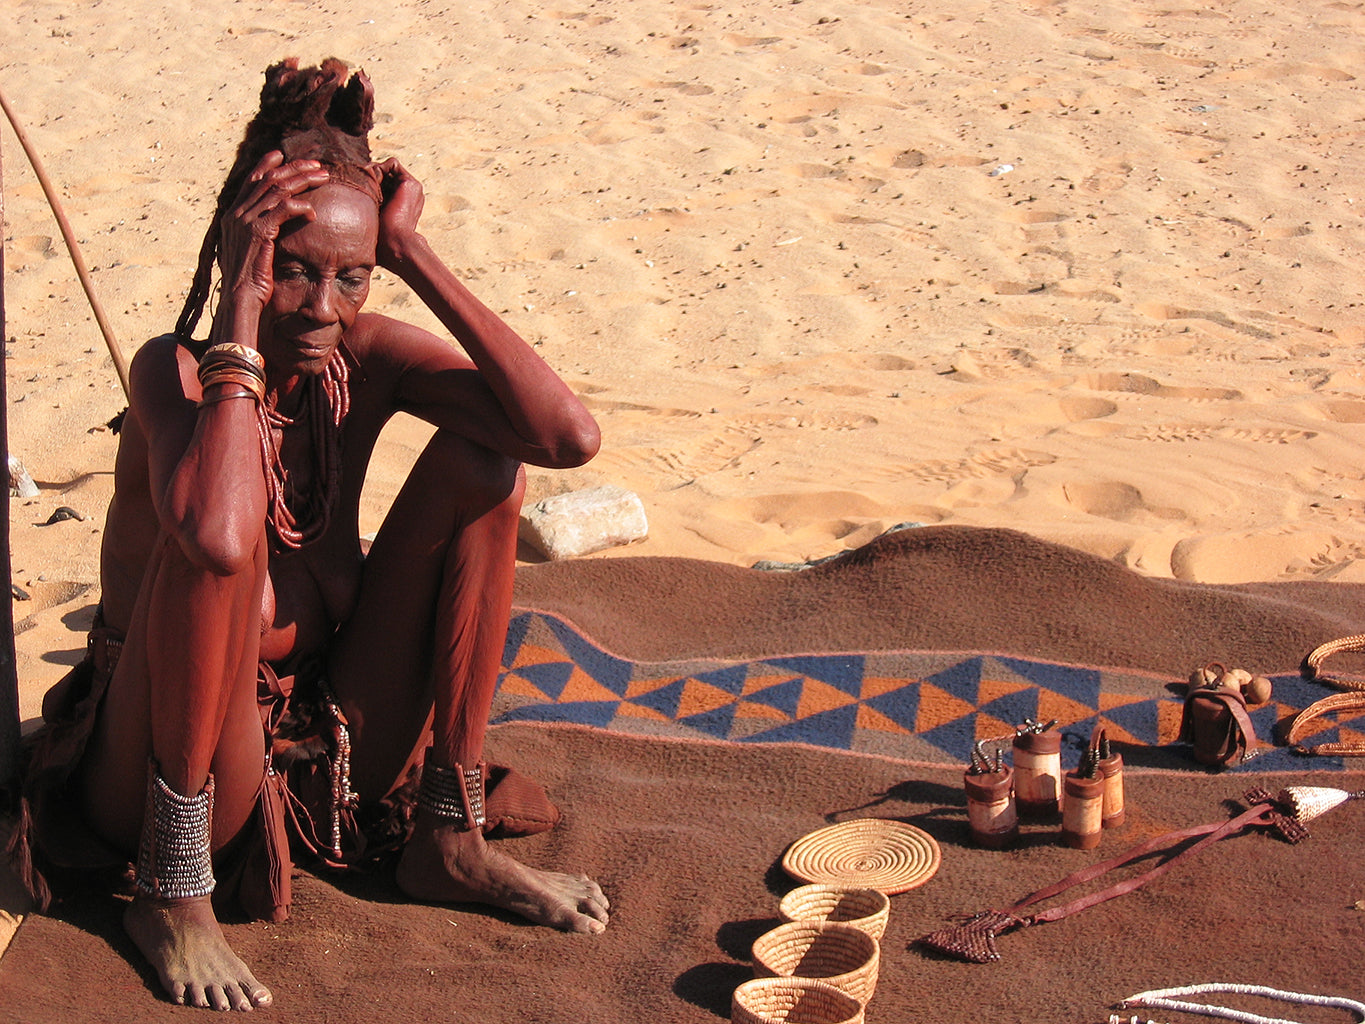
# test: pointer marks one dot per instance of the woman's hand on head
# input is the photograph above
(271, 196)
(399, 214)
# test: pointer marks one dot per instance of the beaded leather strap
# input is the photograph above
(455, 794)
(174, 860)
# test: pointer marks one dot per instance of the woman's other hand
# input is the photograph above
(398, 217)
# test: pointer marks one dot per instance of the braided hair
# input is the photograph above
(315, 113)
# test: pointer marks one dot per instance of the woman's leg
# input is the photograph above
(182, 699)
(425, 644)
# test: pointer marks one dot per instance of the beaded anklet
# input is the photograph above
(454, 794)
(174, 858)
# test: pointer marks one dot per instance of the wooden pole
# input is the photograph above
(9, 679)
(69, 236)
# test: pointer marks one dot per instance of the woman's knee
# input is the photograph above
(476, 478)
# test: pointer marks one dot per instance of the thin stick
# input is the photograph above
(9, 678)
(120, 364)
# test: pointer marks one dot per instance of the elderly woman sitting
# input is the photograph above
(251, 665)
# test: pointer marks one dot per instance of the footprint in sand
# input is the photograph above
(1339, 510)
(712, 453)
(1162, 311)
(590, 20)
(598, 405)
(614, 130)
(1018, 287)
(807, 420)
(1083, 292)
(34, 245)
(812, 171)
(995, 462)
(803, 509)
(1078, 408)
(1021, 215)
(1112, 499)
(1280, 72)
(1237, 557)
(441, 204)
(1009, 461)
(1341, 411)
(1139, 384)
(693, 88)
(108, 182)
(1171, 432)
(45, 594)
(742, 42)
(1180, 432)
(1267, 435)
(1107, 179)
(885, 361)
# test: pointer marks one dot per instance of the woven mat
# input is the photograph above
(927, 707)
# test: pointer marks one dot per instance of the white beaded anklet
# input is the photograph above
(174, 857)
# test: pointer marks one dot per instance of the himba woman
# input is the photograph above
(249, 665)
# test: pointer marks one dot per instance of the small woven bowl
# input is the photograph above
(845, 956)
(866, 909)
(793, 1001)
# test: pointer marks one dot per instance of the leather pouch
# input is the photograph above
(1216, 724)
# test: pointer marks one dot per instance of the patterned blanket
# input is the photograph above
(918, 706)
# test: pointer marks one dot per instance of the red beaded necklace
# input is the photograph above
(297, 520)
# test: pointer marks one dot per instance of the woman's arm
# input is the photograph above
(204, 460)
(548, 425)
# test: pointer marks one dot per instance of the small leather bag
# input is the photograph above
(1215, 720)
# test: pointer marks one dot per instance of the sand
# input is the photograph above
(1081, 269)
(1086, 270)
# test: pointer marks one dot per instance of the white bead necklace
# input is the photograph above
(1164, 999)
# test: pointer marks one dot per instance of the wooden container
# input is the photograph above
(1111, 770)
(991, 812)
(1038, 773)
(1083, 811)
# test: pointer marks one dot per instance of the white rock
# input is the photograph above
(581, 522)
(21, 485)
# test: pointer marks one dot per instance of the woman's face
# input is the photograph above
(322, 278)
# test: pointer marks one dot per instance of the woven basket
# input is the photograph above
(865, 853)
(793, 1001)
(840, 954)
(866, 909)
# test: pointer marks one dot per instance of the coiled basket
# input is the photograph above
(846, 957)
(793, 1001)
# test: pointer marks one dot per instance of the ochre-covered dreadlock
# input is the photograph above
(317, 113)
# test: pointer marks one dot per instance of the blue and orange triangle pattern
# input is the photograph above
(914, 705)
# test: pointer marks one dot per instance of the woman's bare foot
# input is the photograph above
(442, 865)
(182, 940)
